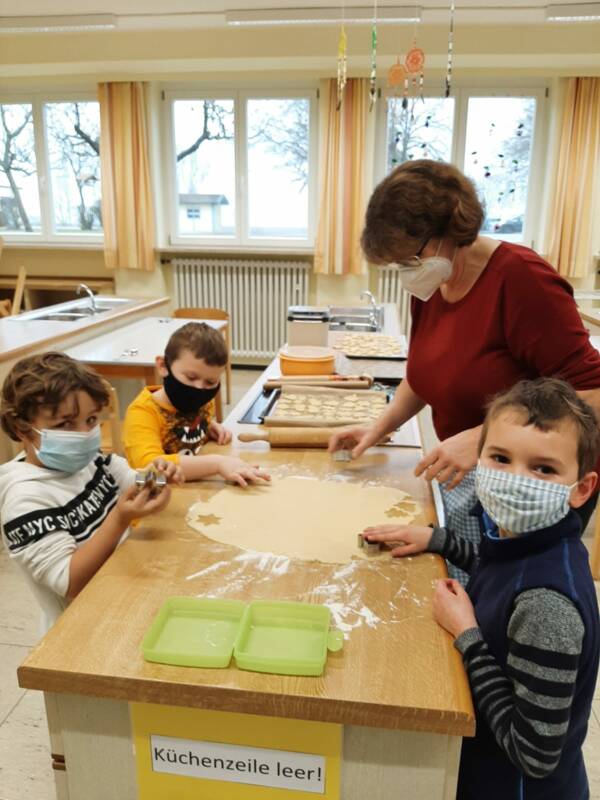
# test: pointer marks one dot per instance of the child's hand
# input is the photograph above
(218, 433)
(452, 607)
(133, 504)
(172, 471)
(404, 540)
(238, 471)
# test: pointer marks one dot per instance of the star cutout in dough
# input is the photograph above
(209, 519)
(401, 509)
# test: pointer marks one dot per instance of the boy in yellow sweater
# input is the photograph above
(173, 420)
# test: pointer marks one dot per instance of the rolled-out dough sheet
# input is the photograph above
(303, 518)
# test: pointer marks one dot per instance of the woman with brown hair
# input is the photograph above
(485, 314)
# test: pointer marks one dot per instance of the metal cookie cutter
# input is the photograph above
(370, 548)
(155, 481)
(342, 455)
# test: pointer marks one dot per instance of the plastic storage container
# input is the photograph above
(194, 632)
(306, 360)
(281, 637)
(285, 638)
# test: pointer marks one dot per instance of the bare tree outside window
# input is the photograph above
(278, 167)
(73, 134)
(19, 194)
(421, 130)
(205, 163)
(498, 158)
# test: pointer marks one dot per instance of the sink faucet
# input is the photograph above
(373, 314)
(83, 287)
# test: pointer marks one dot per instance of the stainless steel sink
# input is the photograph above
(356, 318)
(63, 316)
(73, 310)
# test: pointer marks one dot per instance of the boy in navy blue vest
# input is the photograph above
(527, 625)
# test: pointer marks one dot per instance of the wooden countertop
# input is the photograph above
(398, 668)
(17, 338)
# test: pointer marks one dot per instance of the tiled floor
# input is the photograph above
(24, 751)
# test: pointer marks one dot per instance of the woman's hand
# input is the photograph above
(404, 540)
(172, 471)
(452, 607)
(356, 439)
(235, 470)
(218, 433)
(452, 458)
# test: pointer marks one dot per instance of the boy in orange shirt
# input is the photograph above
(175, 419)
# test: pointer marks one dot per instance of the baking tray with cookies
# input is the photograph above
(300, 406)
(311, 406)
(371, 346)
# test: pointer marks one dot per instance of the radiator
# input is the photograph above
(389, 290)
(255, 293)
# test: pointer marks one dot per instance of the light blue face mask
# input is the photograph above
(521, 504)
(68, 451)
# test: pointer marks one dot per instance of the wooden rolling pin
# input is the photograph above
(276, 383)
(290, 437)
(293, 437)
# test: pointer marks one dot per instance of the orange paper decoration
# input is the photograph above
(415, 60)
(396, 75)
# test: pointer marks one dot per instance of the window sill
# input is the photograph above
(23, 245)
(224, 250)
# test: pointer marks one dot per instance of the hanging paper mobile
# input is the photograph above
(450, 50)
(373, 74)
(415, 63)
(342, 67)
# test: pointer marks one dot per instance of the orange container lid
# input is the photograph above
(306, 353)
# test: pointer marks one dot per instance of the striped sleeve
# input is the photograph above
(460, 552)
(528, 706)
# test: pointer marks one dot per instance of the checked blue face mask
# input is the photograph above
(68, 451)
(520, 504)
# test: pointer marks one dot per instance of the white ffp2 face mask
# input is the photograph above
(423, 280)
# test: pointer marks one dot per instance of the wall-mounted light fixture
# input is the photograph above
(573, 12)
(323, 16)
(58, 23)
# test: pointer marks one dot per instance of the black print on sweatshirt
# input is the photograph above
(80, 516)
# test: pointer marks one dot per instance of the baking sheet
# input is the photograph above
(315, 407)
(371, 345)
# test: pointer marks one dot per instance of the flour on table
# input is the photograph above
(304, 518)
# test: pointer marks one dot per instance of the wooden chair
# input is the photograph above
(217, 314)
(19, 291)
(9, 308)
(110, 427)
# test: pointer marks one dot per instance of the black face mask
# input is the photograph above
(187, 399)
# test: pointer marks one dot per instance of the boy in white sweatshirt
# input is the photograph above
(64, 506)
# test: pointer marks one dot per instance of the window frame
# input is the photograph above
(47, 234)
(461, 95)
(240, 98)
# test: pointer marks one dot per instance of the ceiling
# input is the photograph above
(151, 14)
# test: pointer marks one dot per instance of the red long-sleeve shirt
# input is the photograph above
(518, 321)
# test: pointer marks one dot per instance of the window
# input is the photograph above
(421, 130)
(491, 137)
(50, 170)
(498, 159)
(243, 168)
(19, 197)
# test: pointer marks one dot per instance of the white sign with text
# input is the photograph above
(281, 769)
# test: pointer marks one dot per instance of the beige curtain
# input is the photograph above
(127, 213)
(570, 224)
(346, 151)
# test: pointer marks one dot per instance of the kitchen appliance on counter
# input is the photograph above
(308, 325)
